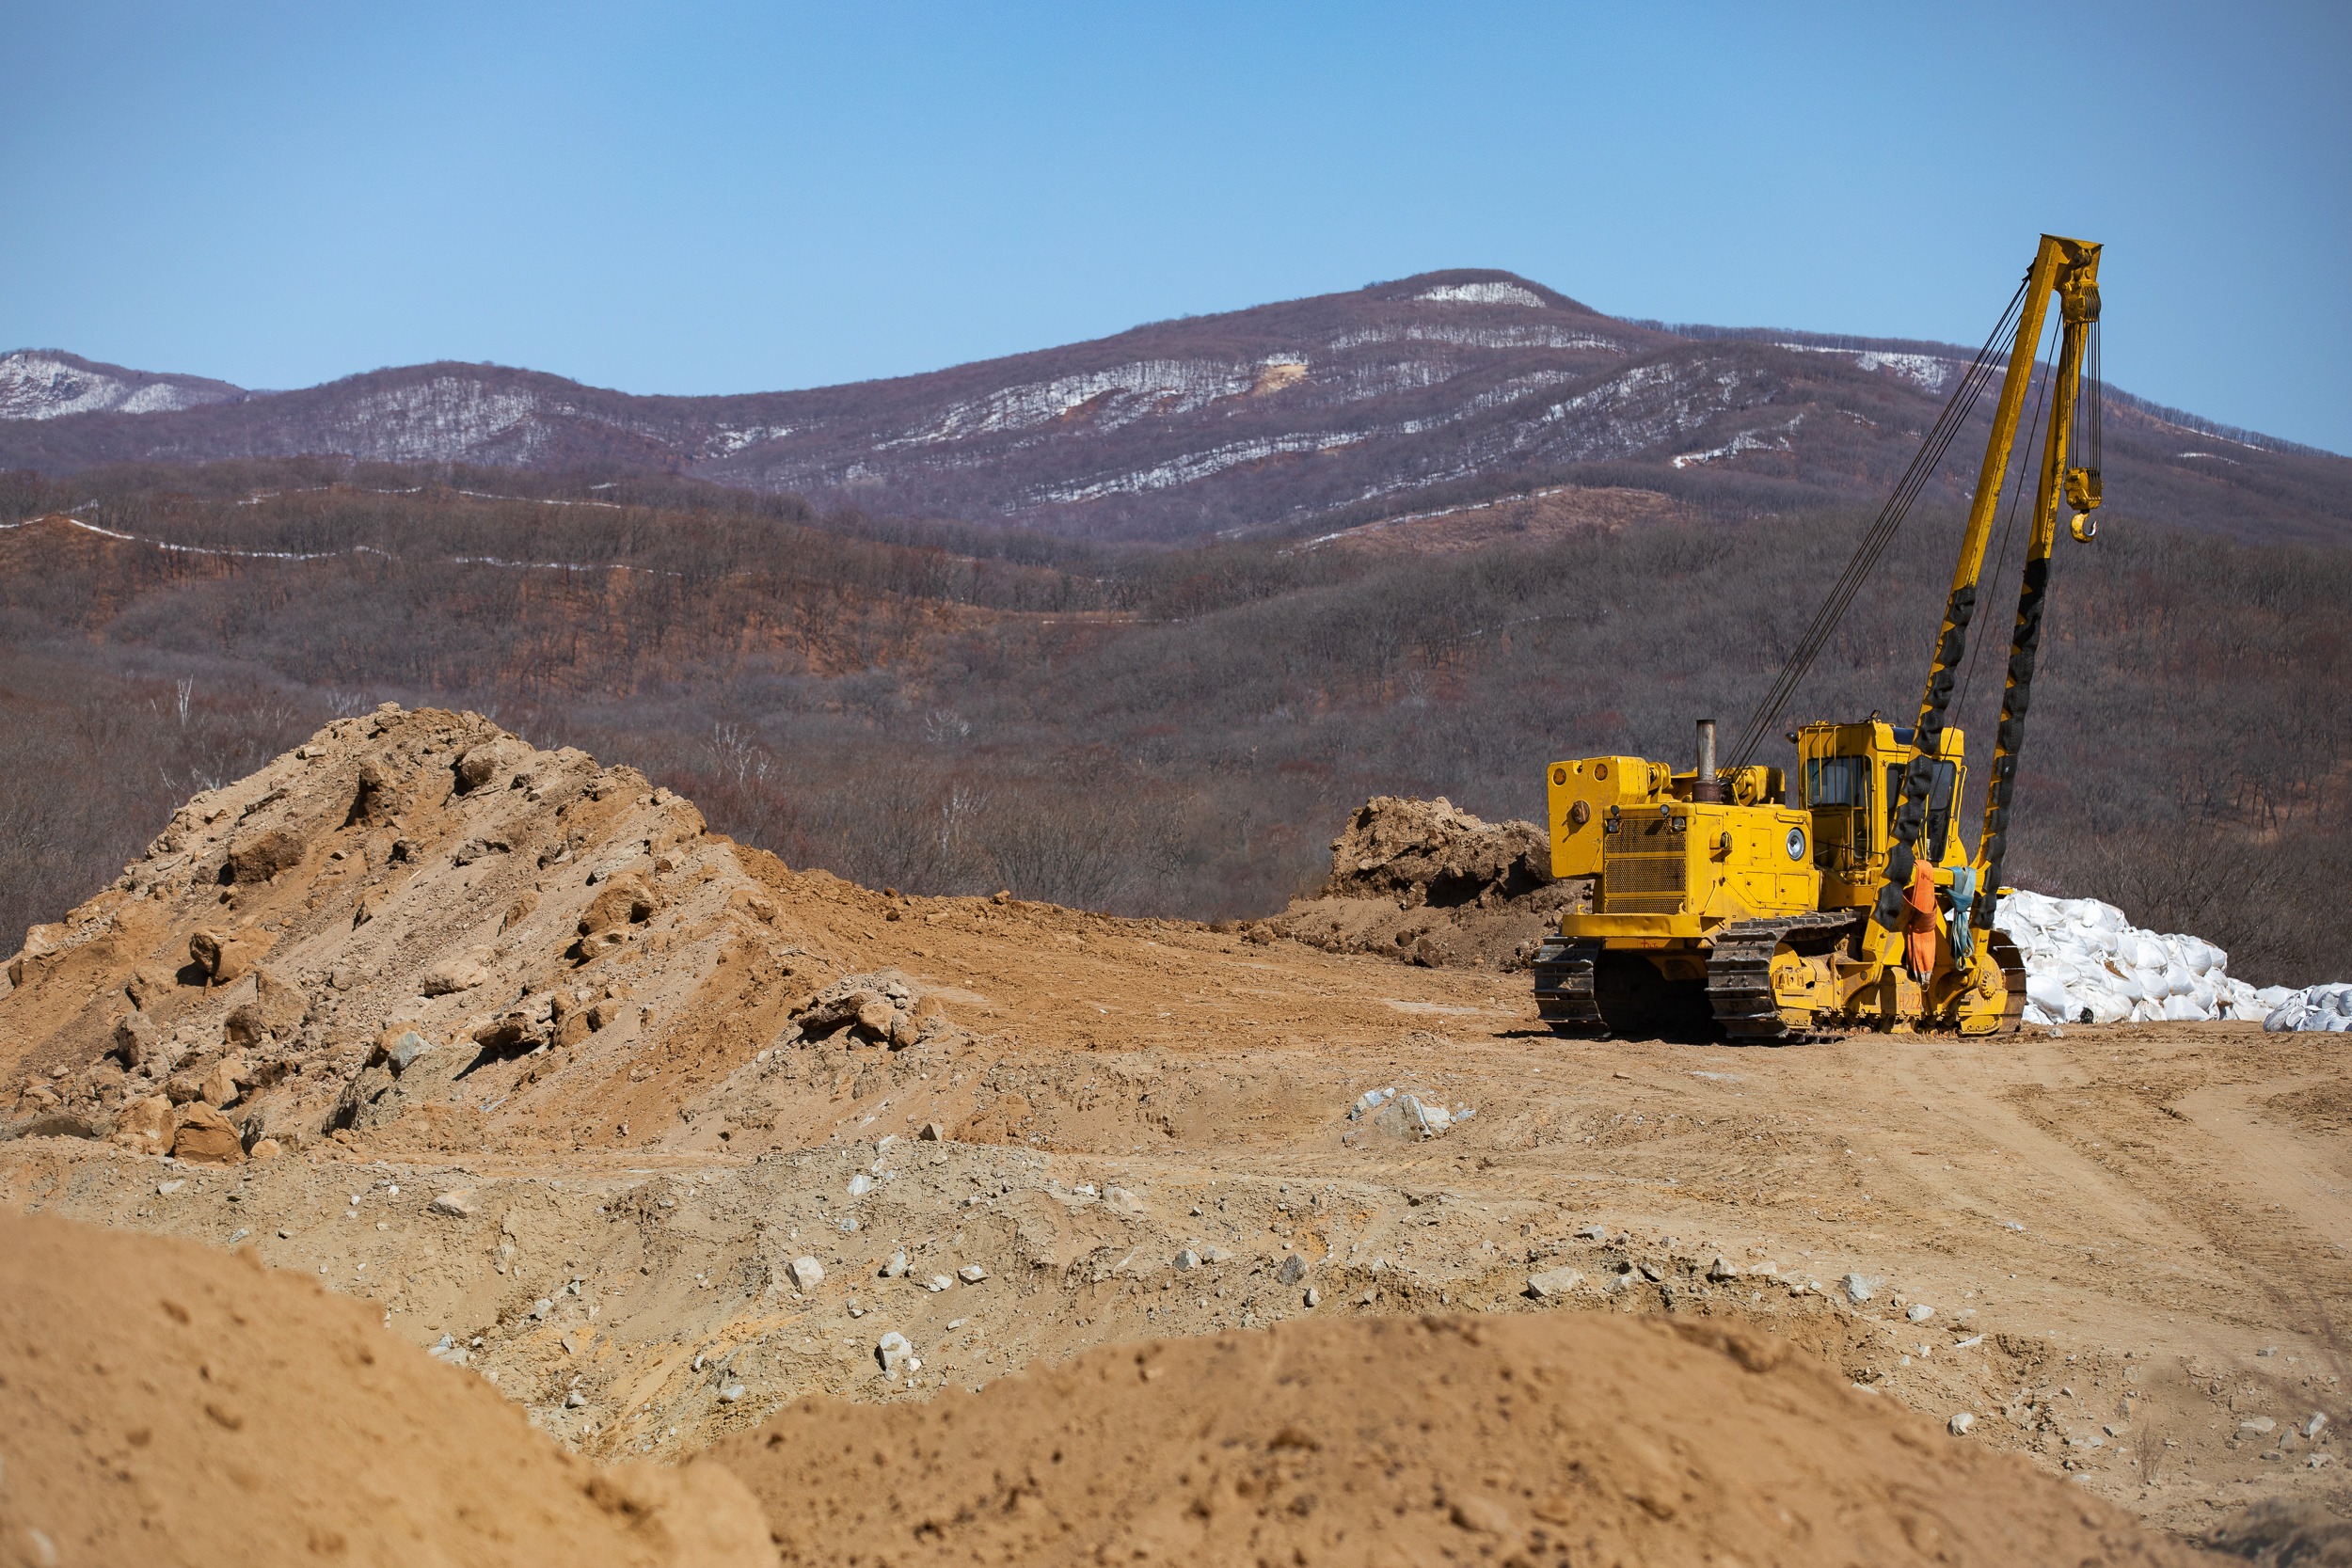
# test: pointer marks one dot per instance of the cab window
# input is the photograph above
(1838, 782)
(1936, 831)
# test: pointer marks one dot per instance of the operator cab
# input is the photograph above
(1850, 778)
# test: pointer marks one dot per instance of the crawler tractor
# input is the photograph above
(1770, 906)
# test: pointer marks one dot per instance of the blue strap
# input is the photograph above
(1964, 896)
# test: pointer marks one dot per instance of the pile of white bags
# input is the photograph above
(2313, 1010)
(2085, 963)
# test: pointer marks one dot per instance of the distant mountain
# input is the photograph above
(1438, 391)
(50, 384)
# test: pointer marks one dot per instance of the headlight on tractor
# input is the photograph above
(1796, 843)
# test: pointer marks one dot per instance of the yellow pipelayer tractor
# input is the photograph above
(1725, 901)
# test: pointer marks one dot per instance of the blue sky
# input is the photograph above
(735, 197)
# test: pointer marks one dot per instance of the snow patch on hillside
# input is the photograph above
(1478, 337)
(1196, 466)
(1123, 394)
(36, 385)
(1480, 293)
(1747, 440)
(1927, 371)
(441, 419)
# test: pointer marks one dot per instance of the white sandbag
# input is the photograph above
(2033, 1015)
(2048, 993)
(2106, 1007)
(2314, 1010)
(2182, 1009)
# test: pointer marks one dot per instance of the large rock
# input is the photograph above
(146, 1125)
(223, 955)
(462, 972)
(204, 1136)
(265, 855)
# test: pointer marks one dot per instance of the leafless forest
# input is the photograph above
(943, 707)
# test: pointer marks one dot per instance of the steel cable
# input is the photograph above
(1877, 536)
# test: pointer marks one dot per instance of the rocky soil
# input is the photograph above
(1423, 883)
(658, 1137)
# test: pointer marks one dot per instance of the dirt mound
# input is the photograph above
(1426, 883)
(1583, 1439)
(411, 919)
(170, 1403)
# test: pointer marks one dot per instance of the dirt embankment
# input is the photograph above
(1568, 1440)
(1426, 883)
(170, 1403)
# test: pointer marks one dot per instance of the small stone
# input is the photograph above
(1216, 1254)
(861, 1185)
(1313, 1297)
(971, 1274)
(1919, 1312)
(808, 1273)
(458, 1204)
(1553, 1282)
(1480, 1515)
(2267, 1350)
(1294, 1270)
(263, 1149)
(731, 1393)
(166, 1188)
(1593, 1233)
(575, 1400)
(937, 1283)
(1959, 1425)
(2262, 1426)
(1860, 1288)
(932, 1132)
(896, 1267)
(2317, 1424)
(1187, 1258)
(893, 1352)
(1723, 1268)
(541, 1307)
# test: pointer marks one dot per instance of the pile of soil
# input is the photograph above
(172, 1403)
(409, 917)
(1582, 1439)
(1424, 882)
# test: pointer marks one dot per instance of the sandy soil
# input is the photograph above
(169, 1403)
(1571, 1439)
(2130, 1242)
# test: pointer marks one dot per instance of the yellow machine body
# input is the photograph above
(1766, 906)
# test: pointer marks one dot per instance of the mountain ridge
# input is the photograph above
(1302, 416)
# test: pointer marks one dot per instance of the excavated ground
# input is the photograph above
(2130, 1242)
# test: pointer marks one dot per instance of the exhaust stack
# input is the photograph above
(1707, 788)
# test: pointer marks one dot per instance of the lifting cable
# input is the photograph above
(2008, 527)
(1878, 535)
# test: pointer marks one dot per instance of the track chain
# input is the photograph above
(1564, 986)
(1740, 974)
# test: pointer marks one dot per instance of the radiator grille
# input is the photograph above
(1644, 878)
